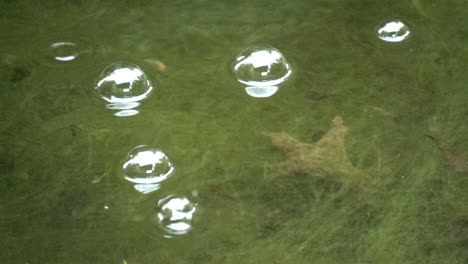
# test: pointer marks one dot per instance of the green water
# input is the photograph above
(63, 198)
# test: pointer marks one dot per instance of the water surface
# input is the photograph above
(188, 174)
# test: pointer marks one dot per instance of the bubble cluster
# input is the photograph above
(175, 215)
(147, 167)
(123, 85)
(262, 69)
(393, 31)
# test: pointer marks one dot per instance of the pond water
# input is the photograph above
(233, 131)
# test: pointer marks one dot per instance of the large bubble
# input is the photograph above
(147, 167)
(262, 69)
(393, 31)
(123, 85)
(175, 215)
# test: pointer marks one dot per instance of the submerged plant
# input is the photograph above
(452, 157)
(327, 157)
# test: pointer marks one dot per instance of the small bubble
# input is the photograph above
(175, 215)
(147, 165)
(64, 51)
(123, 85)
(393, 31)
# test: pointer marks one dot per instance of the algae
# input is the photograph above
(452, 158)
(325, 158)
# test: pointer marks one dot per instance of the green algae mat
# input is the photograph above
(202, 131)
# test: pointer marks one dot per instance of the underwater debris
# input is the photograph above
(317, 96)
(157, 65)
(452, 158)
(19, 73)
(326, 157)
(459, 232)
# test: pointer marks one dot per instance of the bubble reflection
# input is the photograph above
(123, 113)
(146, 188)
(147, 167)
(393, 31)
(261, 92)
(262, 69)
(175, 215)
(123, 85)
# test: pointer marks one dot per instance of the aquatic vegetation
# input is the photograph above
(452, 157)
(317, 96)
(326, 158)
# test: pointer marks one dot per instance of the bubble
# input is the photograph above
(175, 215)
(123, 85)
(261, 67)
(393, 31)
(147, 165)
(64, 51)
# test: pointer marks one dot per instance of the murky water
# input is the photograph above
(233, 131)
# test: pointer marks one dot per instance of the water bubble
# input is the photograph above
(123, 85)
(64, 51)
(393, 31)
(147, 167)
(175, 215)
(261, 67)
